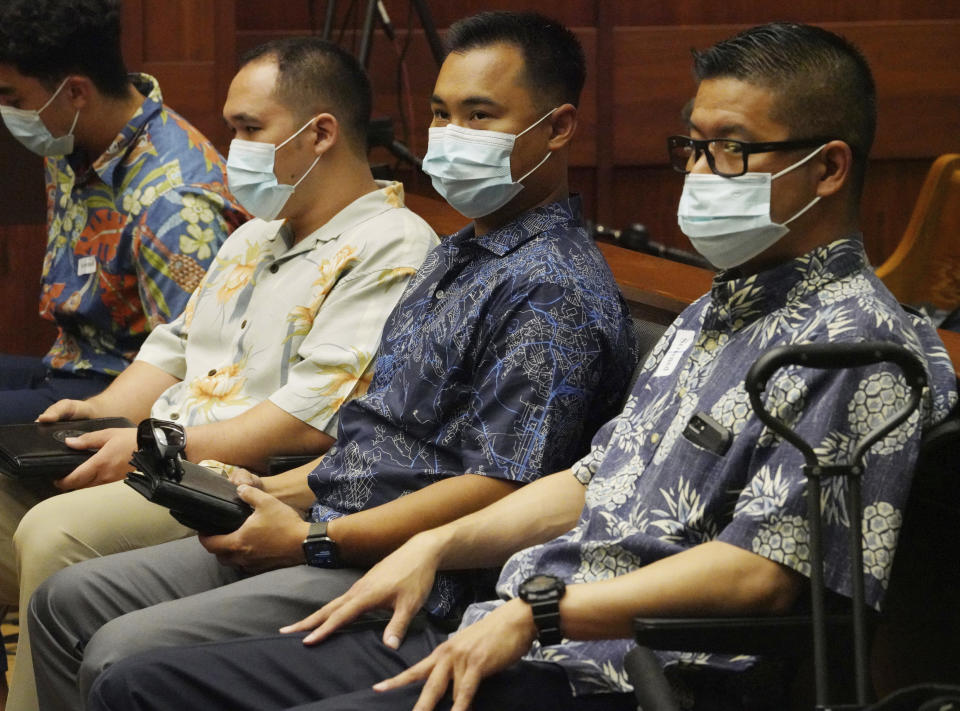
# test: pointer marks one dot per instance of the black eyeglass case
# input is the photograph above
(36, 450)
(202, 499)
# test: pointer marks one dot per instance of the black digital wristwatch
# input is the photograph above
(543, 593)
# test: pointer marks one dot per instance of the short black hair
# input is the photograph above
(822, 83)
(554, 63)
(316, 76)
(51, 39)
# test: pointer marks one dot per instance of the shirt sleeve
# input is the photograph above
(832, 410)
(166, 346)
(176, 236)
(336, 356)
(545, 363)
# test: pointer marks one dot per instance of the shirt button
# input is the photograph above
(274, 268)
(213, 371)
(243, 324)
(655, 437)
(439, 293)
(174, 415)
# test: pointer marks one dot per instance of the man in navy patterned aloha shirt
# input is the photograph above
(509, 348)
(650, 522)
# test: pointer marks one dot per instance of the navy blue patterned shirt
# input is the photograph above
(652, 492)
(505, 354)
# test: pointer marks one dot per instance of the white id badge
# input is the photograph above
(86, 265)
(682, 340)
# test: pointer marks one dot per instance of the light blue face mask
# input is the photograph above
(470, 168)
(28, 128)
(250, 175)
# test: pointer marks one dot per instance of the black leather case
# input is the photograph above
(37, 450)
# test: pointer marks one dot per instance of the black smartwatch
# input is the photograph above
(543, 593)
(319, 549)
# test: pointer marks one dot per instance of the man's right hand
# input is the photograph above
(68, 410)
(400, 582)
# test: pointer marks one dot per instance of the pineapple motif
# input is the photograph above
(881, 525)
(186, 271)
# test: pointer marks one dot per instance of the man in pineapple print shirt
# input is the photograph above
(280, 332)
(651, 522)
(137, 202)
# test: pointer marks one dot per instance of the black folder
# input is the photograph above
(37, 450)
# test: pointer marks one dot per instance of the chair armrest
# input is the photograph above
(284, 462)
(734, 635)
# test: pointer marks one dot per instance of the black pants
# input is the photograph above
(28, 387)
(279, 672)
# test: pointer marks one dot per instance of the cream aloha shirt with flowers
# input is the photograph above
(651, 492)
(296, 324)
(130, 235)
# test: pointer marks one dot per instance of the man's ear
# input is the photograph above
(80, 90)
(563, 123)
(836, 161)
(326, 133)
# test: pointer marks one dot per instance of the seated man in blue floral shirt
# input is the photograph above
(650, 522)
(510, 346)
(137, 201)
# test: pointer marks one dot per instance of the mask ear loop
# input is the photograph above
(549, 153)
(312, 165)
(798, 163)
(54, 96)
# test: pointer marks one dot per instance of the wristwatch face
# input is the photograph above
(539, 584)
(321, 552)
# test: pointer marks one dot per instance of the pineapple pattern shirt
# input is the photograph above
(505, 354)
(130, 235)
(296, 324)
(651, 492)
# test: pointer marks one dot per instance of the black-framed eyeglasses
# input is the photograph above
(726, 156)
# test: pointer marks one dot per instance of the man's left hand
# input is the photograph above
(272, 536)
(470, 656)
(115, 447)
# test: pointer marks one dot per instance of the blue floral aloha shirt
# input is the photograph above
(505, 354)
(652, 493)
(130, 235)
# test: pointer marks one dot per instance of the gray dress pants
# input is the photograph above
(87, 616)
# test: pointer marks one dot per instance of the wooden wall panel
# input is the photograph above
(22, 331)
(918, 85)
(754, 12)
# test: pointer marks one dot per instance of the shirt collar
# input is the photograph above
(389, 196)
(108, 162)
(741, 300)
(524, 227)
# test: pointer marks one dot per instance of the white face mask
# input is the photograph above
(28, 128)
(728, 219)
(470, 168)
(251, 178)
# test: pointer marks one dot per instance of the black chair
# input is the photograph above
(916, 640)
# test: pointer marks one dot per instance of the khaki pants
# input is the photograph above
(42, 531)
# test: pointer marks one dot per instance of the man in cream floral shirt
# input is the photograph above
(282, 329)
(653, 521)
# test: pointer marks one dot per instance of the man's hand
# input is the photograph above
(471, 655)
(400, 582)
(111, 462)
(242, 477)
(272, 537)
(68, 410)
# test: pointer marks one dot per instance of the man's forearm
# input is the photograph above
(711, 579)
(367, 536)
(133, 392)
(476, 522)
(251, 438)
